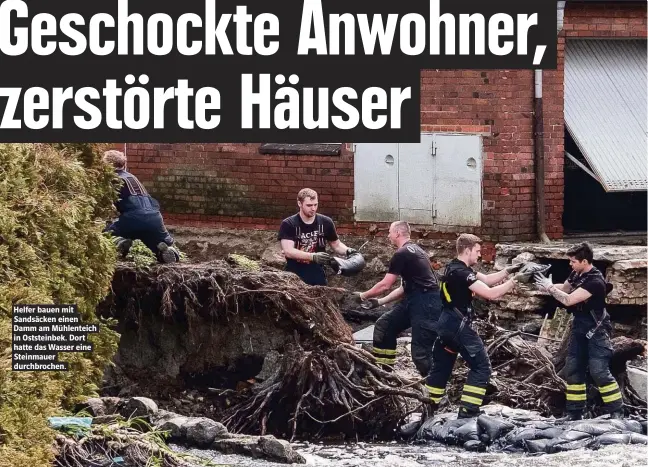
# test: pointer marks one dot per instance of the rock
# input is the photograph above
(203, 431)
(94, 406)
(110, 404)
(273, 256)
(639, 381)
(271, 365)
(138, 407)
(279, 450)
(267, 447)
(176, 427)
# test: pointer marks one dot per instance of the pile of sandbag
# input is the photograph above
(511, 430)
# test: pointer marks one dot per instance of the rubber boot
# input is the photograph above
(467, 413)
(168, 254)
(123, 245)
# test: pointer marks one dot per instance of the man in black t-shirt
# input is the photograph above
(583, 293)
(420, 305)
(456, 335)
(303, 238)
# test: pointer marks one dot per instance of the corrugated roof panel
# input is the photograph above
(605, 109)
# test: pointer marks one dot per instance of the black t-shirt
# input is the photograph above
(413, 265)
(455, 290)
(594, 282)
(310, 238)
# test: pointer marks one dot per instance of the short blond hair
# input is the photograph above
(116, 158)
(306, 193)
(467, 241)
(403, 228)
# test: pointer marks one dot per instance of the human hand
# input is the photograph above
(544, 283)
(513, 268)
(371, 304)
(321, 258)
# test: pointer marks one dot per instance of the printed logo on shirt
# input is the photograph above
(472, 277)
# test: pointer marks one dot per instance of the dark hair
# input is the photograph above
(581, 252)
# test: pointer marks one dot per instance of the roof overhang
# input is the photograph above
(605, 109)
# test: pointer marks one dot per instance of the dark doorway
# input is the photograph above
(590, 209)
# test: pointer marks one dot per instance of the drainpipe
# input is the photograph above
(539, 141)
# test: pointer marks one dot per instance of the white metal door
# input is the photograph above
(458, 174)
(376, 182)
(416, 181)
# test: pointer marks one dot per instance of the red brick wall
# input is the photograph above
(605, 20)
(232, 185)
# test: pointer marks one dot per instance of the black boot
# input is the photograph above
(123, 245)
(570, 417)
(168, 254)
(464, 412)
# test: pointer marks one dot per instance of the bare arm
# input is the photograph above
(339, 247)
(289, 250)
(569, 299)
(380, 288)
(394, 295)
(492, 293)
(566, 287)
(494, 278)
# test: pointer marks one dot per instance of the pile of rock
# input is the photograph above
(199, 432)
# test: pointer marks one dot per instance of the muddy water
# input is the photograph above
(433, 454)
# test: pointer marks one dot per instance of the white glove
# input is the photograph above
(544, 283)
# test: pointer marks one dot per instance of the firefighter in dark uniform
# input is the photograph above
(583, 293)
(419, 306)
(456, 335)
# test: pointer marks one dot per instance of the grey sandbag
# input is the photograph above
(613, 438)
(572, 445)
(622, 438)
(627, 425)
(595, 427)
(467, 432)
(493, 428)
(551, 433)
(644, 426)
(439, 430)
(349, 266)
(530, 269)
(410, 429)
(573, 435)
(518, 436)
(475, 446)
(536, 445)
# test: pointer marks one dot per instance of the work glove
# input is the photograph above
(370, 304)
(513, 268)
(543, 283)
(350, 252)
(322, 258)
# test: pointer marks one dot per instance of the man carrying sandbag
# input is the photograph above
(456, 335)
(584, 294)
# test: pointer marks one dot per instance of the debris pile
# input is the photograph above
(322, 384)
(510, 430)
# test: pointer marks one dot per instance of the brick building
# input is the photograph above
(254, 185)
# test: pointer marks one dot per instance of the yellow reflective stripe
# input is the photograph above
(472, 400)
(611, 398)
(609, 387)
(475, 389)
(435, 399)
(445, 292)
(434, 390)
(386, 361)
(576, 397)
(576, 387)
(384, 351)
